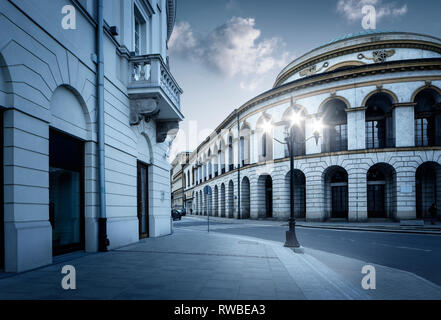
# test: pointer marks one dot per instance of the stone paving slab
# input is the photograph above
(193, 264)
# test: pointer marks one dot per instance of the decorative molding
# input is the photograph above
(378, 56)
(313, 70)
(406, 44)
(143, 109)
(165, 128)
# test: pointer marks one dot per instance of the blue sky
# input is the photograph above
(225, 52)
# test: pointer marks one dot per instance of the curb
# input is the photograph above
(428, 232)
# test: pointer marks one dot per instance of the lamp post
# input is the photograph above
(290, 140)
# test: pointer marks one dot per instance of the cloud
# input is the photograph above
(234, 48)
(232, 5)
(352, 9)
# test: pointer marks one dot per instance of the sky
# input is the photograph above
(225, 52)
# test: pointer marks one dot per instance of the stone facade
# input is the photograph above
(378, 152)
(48, 88)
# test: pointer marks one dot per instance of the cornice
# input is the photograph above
(408, 44)
(391, 67)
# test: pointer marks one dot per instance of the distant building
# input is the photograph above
(69, 143)
(378, 95)
(178, 180)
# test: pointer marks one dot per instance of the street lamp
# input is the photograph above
(295, 119)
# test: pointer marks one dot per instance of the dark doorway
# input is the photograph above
(376, 194)
(269, 196)
(66, 192)
(339, 194)
(428, 192)
(2, 218)
(143, 200)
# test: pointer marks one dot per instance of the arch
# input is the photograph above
(392, 95)
(381, 191)
(6, 86)
(209, 203)
(335, 183)
(144, 148)
(428, 188)
(69, 113)
(223, 201)
(216, 201)
(330, 99)
(245, 201)
(379, 121)
(201, 208)
(426, 87)
(345, 64)
(427, 117)
(335, 132)
(230, 199)
(299, 193)
(265, 196)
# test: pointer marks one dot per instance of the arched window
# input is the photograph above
(294, 119)
(427, 119)
(245, 145)
(264, 138)
(335, 136)
(379, 126)
(230, 153)
(209, 165)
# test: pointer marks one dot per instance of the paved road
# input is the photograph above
(416, 253)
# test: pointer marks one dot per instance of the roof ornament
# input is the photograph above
(312, 70)
(378, 56)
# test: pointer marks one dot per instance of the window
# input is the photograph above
(427, 119)
(137, 36)
(230, 153)
(242, 151)
(379, 131)
(264, 137)
(336, 132)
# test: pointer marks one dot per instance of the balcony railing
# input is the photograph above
(151, 73)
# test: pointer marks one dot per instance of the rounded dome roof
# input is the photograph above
(352, 40)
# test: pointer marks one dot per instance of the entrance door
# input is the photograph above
(269, 197)
(66, 192)
(2, 220)
(339, 201)
(143, 201)
(375, 201)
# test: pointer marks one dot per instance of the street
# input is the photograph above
(416, 253)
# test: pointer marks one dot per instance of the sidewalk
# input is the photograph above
(193, 264)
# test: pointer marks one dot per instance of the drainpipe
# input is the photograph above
(103, 241)
(238, 168)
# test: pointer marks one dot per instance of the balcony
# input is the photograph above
(153, 93)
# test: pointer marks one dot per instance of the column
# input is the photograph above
(28, 233)
(404, 124)
(356, 128)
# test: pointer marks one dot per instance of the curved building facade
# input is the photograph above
(378, 96)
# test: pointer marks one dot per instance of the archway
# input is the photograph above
(222, 201)
(230, 199)
(216, 202)
(245, 201)
(299, 193)
(336, 192)
(428, 188)
(265, 196)
(381, 191)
